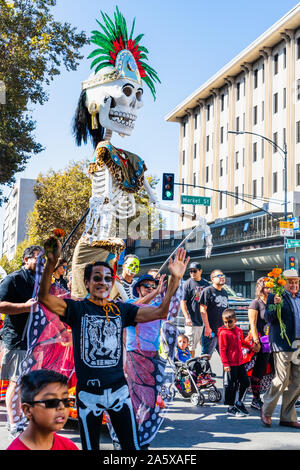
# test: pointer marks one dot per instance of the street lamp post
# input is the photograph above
(284, 152)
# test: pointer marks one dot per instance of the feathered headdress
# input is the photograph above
(118, 49)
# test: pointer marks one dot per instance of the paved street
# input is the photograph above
(201, 428)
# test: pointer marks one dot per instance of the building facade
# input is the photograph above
(20, 202)
(257, 92)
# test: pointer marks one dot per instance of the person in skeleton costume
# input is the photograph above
(109, 102)
(97, 325)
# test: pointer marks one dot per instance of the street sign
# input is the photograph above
(286, 229)
(195, 200)
(292, 243)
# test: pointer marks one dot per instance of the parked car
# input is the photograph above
(236, 301)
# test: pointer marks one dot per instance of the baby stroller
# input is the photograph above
(194, 386)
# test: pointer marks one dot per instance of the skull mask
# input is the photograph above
(117, 103)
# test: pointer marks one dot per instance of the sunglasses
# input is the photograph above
(53, 402)
(148, 286)
(193, 270)
(219, 275)
(106, 279)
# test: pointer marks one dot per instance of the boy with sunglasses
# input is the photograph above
(235, 376)
(45, 402)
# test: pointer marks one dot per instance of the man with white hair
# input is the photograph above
(286, 354)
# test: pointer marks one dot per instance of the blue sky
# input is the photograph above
(188, 42)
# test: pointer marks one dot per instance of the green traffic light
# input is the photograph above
(168, 193)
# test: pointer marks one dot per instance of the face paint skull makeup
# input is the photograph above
(132, 265)
(100, 283)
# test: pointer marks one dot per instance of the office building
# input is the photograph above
(20, 202)
(258, 91)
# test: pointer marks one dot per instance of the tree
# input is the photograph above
(33, 48)
(62, 199)
(16, 262)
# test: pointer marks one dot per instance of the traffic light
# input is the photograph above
(168, 187)
(292, 262)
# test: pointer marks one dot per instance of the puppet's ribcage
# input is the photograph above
(121, 204)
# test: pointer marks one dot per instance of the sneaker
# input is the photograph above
(257, 404)
(233, 411)
(241, 407)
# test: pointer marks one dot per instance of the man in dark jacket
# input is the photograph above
(286, 353)
(16, 300)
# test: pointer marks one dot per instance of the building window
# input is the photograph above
(275, 103)
(195, 150)
(208, 112)
(206, 174)
(263, 72)
(298, 48)
(184, 129)
(298, 174)
(262, 148)
(237, 124)
(236, 200)
(182, 185)
(207, 143)
(254, 188)
(222, 102)
(275, 188)
(284, 98)
(275, 59)
(298, 89)
(275, 140)
(255, 115)
(221, 167)
(284, 57)
(284, 136)
(238, 91)
(236, 160)
(262, 185)
(194, 180)
(298, 132)
(243, 157)
(255, 78)
(220, 200)
(255, 151)
(196, 120)
(262, 110)
(183, 157)
(222, 135)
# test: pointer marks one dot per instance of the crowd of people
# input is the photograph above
(210, 325)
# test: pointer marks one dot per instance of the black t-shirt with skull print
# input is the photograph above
(98, 340)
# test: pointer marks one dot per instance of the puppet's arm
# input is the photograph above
(200, 220)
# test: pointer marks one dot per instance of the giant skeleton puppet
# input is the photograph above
(109, 102)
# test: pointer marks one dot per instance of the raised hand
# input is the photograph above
(177, 267)
(52, 248)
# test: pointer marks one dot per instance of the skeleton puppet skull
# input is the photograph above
(116, 93)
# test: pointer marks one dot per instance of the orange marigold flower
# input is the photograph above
(270, 284)
(59, 232)
(281, 282)
(277, 272)
(266, 279)
(270, 274)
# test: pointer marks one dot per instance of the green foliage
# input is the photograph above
(33, 48)
(16, 262)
